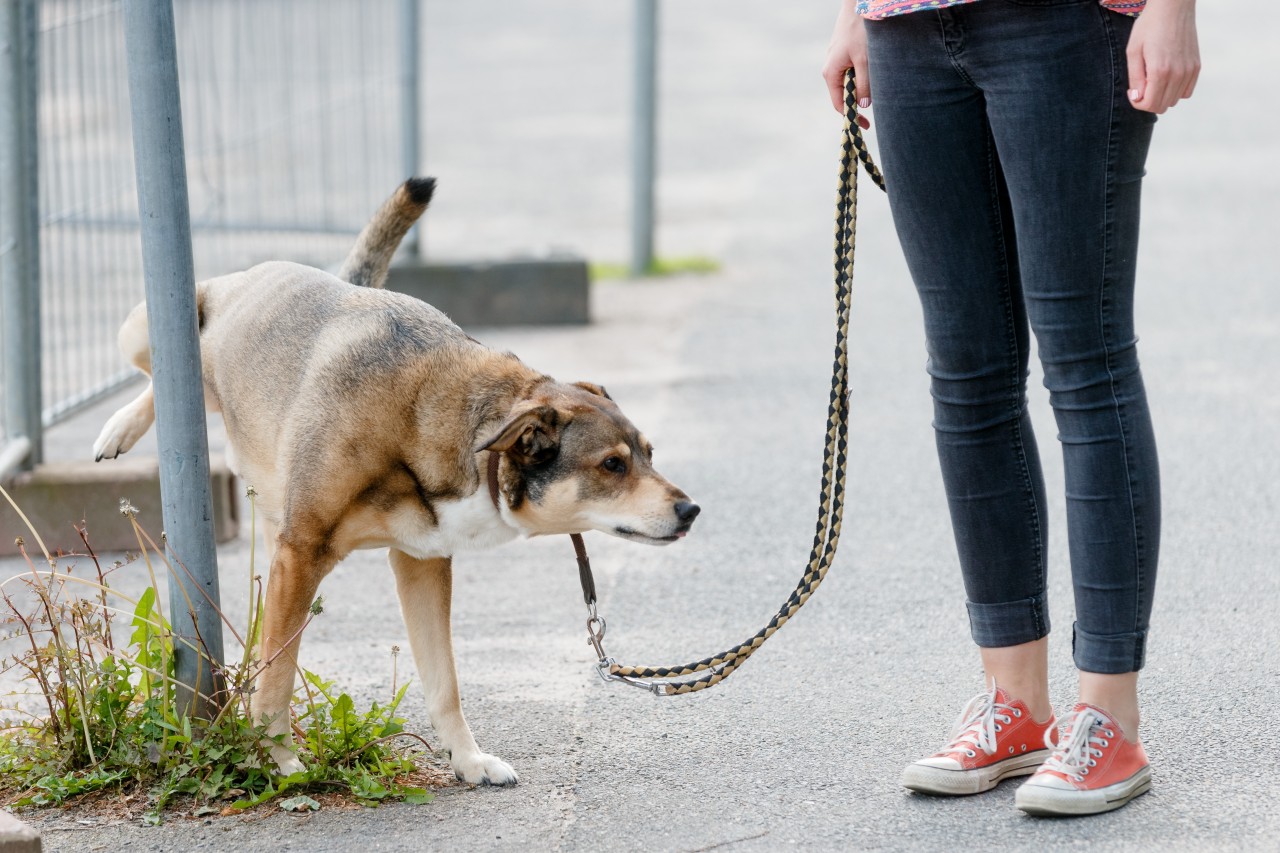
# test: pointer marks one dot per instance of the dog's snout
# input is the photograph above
(687, 511)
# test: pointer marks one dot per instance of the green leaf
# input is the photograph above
(299, 803)
(417, 796)
(142, 628)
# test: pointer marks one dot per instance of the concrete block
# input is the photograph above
(16, 836)
(58, 495)
(552, 291)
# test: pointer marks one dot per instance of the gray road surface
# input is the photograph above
(727, 374)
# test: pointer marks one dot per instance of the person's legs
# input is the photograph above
(951, 210)
(1073, 152)
(1021, 671)
(1013, 160)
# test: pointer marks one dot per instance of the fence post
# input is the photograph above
(643, 135)
(168, 270)
(410, 107)
(20, 225)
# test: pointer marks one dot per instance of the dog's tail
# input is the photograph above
(367, 264)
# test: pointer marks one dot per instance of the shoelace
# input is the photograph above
(1079, 749)
(978, 722)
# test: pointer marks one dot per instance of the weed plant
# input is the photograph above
(99, 666)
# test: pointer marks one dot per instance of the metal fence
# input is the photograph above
(294, 126)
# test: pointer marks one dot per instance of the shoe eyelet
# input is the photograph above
(1011, 750)
(1093, 763)
(1017, 714)
(1105, 744)
(1110, 733)
(1078, 778)
(1084, 772)
(998, 727)
(1024, 747)
(971, 753)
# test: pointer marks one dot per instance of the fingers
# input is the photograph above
(1137, 74)
(862, 88)
(1156, 88)
(834, 75)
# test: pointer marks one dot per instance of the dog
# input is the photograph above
(367, 419)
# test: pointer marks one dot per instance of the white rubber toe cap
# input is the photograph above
(1045, 780)
(941, 762)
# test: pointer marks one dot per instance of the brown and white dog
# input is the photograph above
(363, 419)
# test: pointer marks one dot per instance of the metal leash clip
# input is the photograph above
(595, 637)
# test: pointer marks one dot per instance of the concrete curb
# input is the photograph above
(16, 836)
(552, 291)
(57, 495)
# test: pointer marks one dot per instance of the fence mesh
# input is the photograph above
(291, 121)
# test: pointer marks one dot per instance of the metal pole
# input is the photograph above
(175, 346)
(410, 106)
(20, 225)
(643, 135)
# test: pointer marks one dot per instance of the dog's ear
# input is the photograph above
(530, 435)
(593, 388)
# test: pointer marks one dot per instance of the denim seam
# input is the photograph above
(946, 45)
(1104, 303)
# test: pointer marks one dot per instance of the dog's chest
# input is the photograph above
(469, 524)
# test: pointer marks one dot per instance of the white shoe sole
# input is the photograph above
(1044, 801)
(942, 782)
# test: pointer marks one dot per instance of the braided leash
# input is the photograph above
(831, 503)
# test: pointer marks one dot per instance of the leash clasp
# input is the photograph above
(595, 633)
(604, 666)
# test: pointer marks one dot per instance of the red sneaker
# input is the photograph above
(1094, 769)
(993, 739)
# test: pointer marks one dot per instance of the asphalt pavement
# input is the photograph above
(727, 374)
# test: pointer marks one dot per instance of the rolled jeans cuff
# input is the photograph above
(1008, 623)
(1108, 654)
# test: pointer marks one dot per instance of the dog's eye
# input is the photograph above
(614, 465)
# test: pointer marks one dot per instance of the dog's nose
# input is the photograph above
(687, 511)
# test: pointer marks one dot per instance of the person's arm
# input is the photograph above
(1164, 55)
(848, 49)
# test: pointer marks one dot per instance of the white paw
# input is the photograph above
(286, 760)
(121, 432)
(480, 768)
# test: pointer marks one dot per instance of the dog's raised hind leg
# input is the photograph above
(425, 588)
(126, 426)
(131, 421)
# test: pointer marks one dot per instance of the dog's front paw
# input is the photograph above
(480, 768)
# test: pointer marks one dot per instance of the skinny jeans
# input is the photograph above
(1014, 163)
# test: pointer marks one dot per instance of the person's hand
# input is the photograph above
(848, 49)
(1164, 55)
